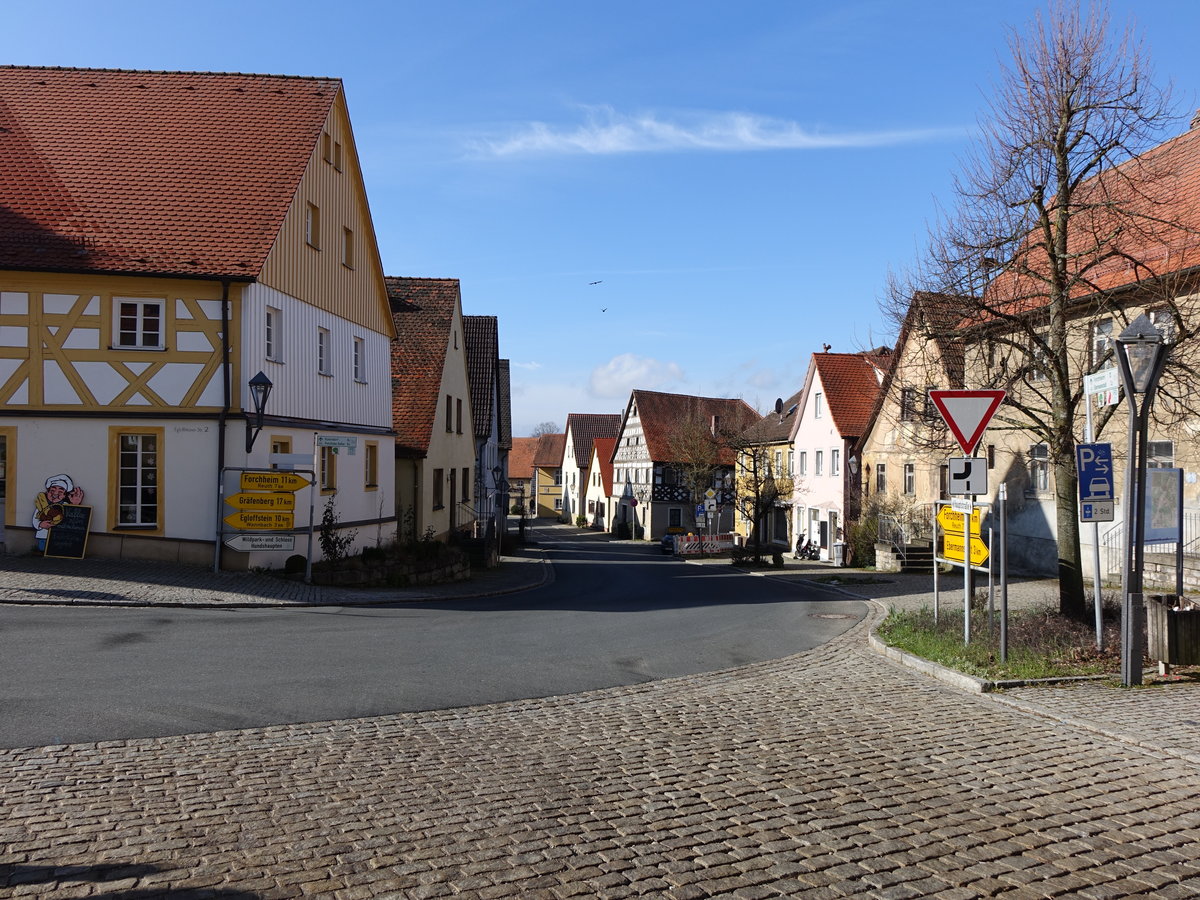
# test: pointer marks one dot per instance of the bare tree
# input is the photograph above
(546, 427)
(756, 486)
(696, 454)
(1061, 217)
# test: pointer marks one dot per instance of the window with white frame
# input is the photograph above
(1164, 321)
(274, 343)
(818, 406)
(791, 462)
(835, 462)
(323, 361)
(910, 479)
(328, 469)
(803, 470)
(360, 351)
(1160, 454)
(138, 324)
(881, 478)
(1039, 468)
(137, 479)
(1102, 334)
(1037, 359)
(819, 462)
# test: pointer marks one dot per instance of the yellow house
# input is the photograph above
(764, 483)
(548, 476)
(145, 282)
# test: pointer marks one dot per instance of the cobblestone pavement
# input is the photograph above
(830, 773)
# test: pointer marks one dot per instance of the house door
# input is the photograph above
(824, 535)
(833, 527)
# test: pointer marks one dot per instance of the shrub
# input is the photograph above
(334, 544)
(581, 521)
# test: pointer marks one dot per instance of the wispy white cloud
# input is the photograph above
(531, 366)
(606, 131)
(621, 374)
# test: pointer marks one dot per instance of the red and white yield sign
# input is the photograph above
(967, 413)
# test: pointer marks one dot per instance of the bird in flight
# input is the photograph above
(596, 282)
(604, 309)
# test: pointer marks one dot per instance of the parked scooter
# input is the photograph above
(806, 549)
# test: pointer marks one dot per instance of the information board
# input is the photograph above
(68, 539)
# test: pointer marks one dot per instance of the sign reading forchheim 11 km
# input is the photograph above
(273, 481)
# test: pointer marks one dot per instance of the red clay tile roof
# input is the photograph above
(604, 448)
(422, 310)
(177, 173)
(775, 428)
(504, 398)
(549, 453)
(483, 342)
(520, 458)
(1163, 238)
(661, 414)
(851, 384)
(584, 428)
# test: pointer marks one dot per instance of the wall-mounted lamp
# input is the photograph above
(260, 390)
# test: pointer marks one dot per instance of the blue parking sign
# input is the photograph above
(1095, 467)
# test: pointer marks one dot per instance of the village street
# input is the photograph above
(826, 773)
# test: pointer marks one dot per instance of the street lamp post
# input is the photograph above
(260, 390)
(1141, 355)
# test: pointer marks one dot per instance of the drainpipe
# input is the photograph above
(221, 419)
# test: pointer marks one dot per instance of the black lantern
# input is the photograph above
(1142, 355)
(260, 390)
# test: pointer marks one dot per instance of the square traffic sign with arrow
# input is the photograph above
(968, 475)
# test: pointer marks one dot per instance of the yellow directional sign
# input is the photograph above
(951, 520)
(261, 521)
(952, 549)
(262, 501)
(273, 481)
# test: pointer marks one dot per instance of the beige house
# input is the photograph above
(431, 409)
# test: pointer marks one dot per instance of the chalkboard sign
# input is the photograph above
(68, 539)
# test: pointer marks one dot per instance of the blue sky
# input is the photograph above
(740, 178)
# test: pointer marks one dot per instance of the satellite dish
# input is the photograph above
(778, 405)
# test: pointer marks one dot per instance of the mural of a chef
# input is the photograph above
(47, 512)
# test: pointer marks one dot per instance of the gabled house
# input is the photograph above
(840, 390)
(764, 486)
(582, 430)
(547, 476)
(431, 409)
(520, 471)
(903, 451)
(493, 432)
(165, 237)
(598, 496)
(671, 450)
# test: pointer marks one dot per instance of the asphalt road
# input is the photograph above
(615, 614)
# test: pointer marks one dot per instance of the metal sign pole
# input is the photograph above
(967, 570)
(1003, 497)
(1095, 541)
(937, 565)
